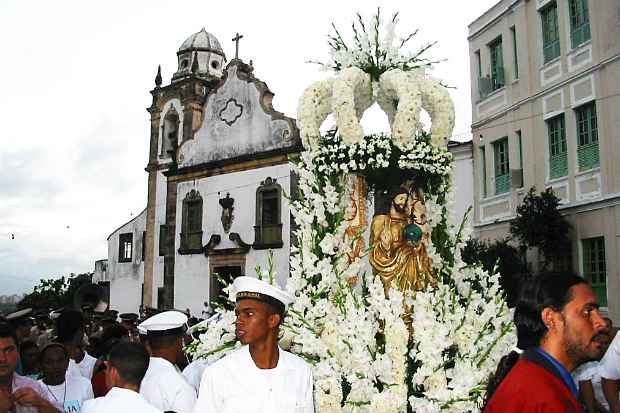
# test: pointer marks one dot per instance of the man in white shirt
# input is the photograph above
(18, 394)
(127, 366)
(163, 386)
(259, 377)
(609, 370)
(68, 393)
(70, 328)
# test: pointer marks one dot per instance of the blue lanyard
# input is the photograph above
(564, 374)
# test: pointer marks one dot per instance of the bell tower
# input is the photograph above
(176, 113)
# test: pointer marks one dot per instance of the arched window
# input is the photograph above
(191, 226)
(268, 229)
(169, 132)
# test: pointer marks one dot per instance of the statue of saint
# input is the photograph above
(398, 253)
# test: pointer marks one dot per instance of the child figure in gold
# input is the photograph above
(398, 254)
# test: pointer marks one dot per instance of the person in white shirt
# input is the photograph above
(127, 366)
(259, 377)
(609, 370)
(18, 394)
(70, 328)
(193, 373)
(587, 377)
(163, 386)
(68, 393)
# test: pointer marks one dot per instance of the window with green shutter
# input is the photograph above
(497, 64)
(558, 155)
(595, 267)
(579, 22)
(515, 60)
(502, 166)
(551, 36)
(587, 137)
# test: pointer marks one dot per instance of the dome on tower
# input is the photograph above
(201, 55)
(202, 41)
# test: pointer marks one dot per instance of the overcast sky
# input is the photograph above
(76, 77)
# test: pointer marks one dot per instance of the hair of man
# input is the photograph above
(545, 290)
(50, 346)
(164, 341)
(7, 330)
(69, 326)
(131, 360)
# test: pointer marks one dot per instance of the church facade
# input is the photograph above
(219, 174)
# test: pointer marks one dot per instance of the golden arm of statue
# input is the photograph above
(380, 236)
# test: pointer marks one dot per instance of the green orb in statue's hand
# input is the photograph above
(413, 233)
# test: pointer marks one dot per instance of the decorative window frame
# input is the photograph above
(274, 240)
(189, 240)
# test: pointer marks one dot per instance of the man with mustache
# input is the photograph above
(259, 377)
(559, 327)
(18, 394)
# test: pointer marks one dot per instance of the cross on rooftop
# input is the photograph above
(236, 40)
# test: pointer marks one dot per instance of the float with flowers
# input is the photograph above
(386, 311)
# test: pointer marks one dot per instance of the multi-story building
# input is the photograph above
(545, 78)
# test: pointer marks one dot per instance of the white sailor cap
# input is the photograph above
(252, 288)
(167, 323)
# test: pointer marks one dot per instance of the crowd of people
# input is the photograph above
(567, 359)
(78, 361)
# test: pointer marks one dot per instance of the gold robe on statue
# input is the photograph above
(395, 259)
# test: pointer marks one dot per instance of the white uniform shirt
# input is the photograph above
(234, 385)
(610, 364)
(84, 368)
(193, 373)
(119, 401)
(164, 387)
(71, 395)
(590, 372)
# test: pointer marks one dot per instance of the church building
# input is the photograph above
(219, 173)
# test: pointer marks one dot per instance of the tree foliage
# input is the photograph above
(55, 292)
(539, 224)
(500, 254)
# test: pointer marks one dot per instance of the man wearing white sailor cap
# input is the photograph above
(163, 386)
(260, 376)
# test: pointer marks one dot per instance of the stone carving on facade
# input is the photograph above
(227, 218)
(231, 111)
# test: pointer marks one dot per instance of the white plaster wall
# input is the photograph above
(192, 271)
(463, 186)
(126, 278)
(160, 219)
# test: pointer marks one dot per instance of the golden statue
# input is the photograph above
(398, 253)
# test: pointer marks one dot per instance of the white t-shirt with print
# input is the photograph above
(70, 395)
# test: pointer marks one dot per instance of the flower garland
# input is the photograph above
(375, 48)
(381, 161)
